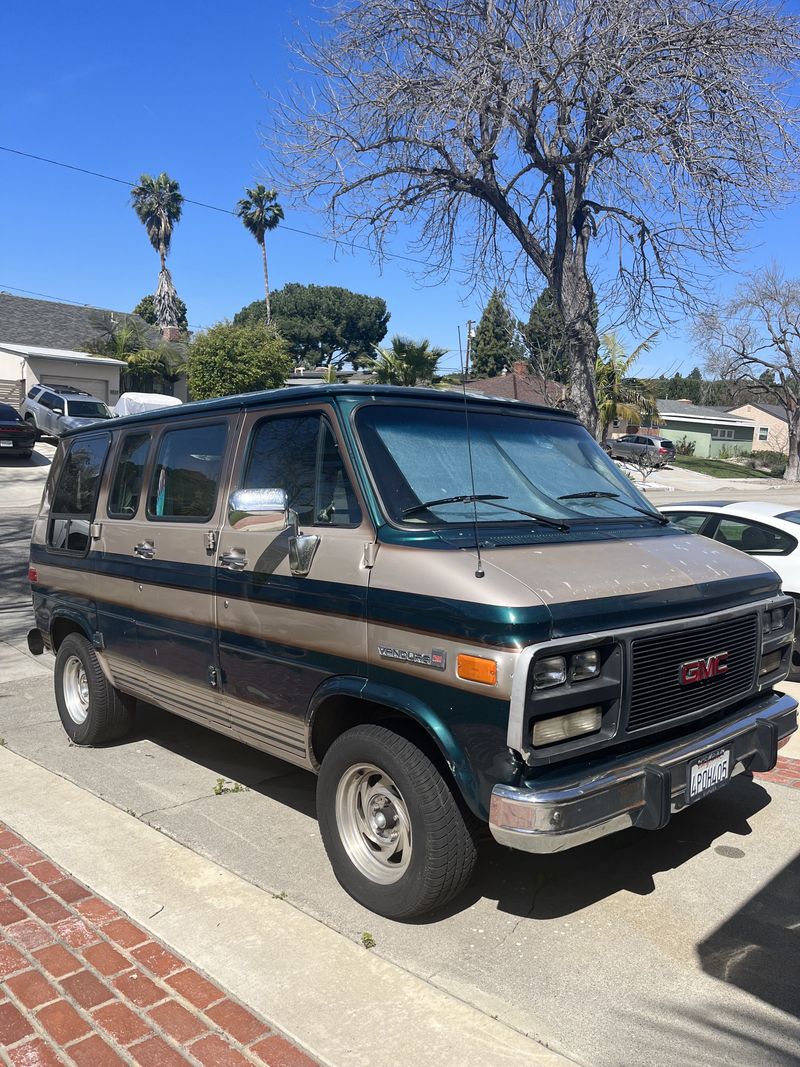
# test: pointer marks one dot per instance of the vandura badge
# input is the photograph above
(698, 670)
(436, 658)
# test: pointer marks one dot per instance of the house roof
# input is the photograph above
(778, 411)
(529, 388)
(25, 321)
(59, 353)
(680, 411)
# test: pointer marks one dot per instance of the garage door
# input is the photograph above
(96, 386)
(11, 392)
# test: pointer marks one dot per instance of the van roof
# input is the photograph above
(314, 392)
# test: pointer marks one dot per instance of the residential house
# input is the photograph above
(520, 384)
(772, 426)
(43, 341)
(713, 430)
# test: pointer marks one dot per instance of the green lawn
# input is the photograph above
(717, 468)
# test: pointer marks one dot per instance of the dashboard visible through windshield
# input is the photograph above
(531, 465)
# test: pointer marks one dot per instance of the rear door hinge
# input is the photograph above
(211, 541)
(213, 679)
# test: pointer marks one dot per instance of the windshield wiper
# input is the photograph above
(490, 499)
(466, 499)
(596, 494)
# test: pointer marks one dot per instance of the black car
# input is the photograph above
(17, 438)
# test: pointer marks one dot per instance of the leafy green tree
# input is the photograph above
(495, 346)
(323, 325)
(407, 362)
(151, 367)
(146, 309)
(260, 213)
(617, 396)
(229, 359)
(158, 204)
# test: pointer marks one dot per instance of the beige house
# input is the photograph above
(772, 428)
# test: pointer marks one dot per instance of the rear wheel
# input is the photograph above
(32, 423)
(90, 708)
(395, 835)
(794, 669)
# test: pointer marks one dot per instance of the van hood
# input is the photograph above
(601, 585)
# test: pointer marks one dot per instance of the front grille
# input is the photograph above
(657, 695)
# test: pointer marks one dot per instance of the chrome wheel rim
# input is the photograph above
(75, 686)
(373, 823)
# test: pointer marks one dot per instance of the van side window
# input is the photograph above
(186, 473)
(300, 454)
(126, 488)
(76, 494)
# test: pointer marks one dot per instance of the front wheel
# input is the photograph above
(90, 708)
(395, 835)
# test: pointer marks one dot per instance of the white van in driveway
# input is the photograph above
(454, 610)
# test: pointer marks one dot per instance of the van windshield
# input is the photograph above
(420, 454)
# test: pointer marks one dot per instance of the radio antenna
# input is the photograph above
(479, 571)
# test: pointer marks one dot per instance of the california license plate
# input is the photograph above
(707, 774)
(6, 444)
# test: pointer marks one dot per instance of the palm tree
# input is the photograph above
(616, 398)
(260, 212)
(158, 204)
(407, 362)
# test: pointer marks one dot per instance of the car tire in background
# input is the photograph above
(794, 670)
(31, 421)
(397, 838)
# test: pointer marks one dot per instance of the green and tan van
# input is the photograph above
(456, 611)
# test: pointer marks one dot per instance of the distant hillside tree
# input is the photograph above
(230, 359)
(496, 345)
(323, 325)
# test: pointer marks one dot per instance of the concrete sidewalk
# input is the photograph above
(345, 1006)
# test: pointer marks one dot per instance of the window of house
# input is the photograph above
(300, 454)
(186, 473)
(722, 433)
(126, 488)
(75, 496)
(763, 433)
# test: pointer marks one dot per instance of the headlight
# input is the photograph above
(584, 665)
(550, 671)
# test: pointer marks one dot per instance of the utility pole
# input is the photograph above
(470, 335)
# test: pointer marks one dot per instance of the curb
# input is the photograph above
(316, 986)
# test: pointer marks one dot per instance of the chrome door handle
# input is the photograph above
(145, 549)
(234, 560)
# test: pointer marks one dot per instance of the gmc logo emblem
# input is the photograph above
(698, 670)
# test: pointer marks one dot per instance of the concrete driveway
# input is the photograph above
(660, 948)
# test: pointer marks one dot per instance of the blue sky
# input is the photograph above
(183, 87)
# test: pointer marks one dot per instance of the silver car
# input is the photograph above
(54, 410)
(632, 446)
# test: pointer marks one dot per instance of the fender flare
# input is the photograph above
(73, 616)
(419, 712)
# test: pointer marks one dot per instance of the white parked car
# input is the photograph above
(768, 530)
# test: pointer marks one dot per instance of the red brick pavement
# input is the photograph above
(83, 986)
(787, 772)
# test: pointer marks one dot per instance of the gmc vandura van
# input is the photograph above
(456, 611)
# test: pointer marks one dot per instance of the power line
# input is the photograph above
(223, 210)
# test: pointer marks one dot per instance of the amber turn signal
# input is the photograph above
(477, 669)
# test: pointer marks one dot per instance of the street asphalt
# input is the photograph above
(681, 946)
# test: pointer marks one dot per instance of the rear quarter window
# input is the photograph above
(186, 474)
(75, 494)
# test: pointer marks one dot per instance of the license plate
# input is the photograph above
(707, 774)
(6, 444)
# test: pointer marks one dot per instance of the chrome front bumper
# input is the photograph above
(641, 788)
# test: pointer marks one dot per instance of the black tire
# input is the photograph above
(442, 854)
(31, 421)
(26, 455)
(107, 712)
(794, 669)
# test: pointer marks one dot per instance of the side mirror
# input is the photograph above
(262, 508)
(58, 411)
